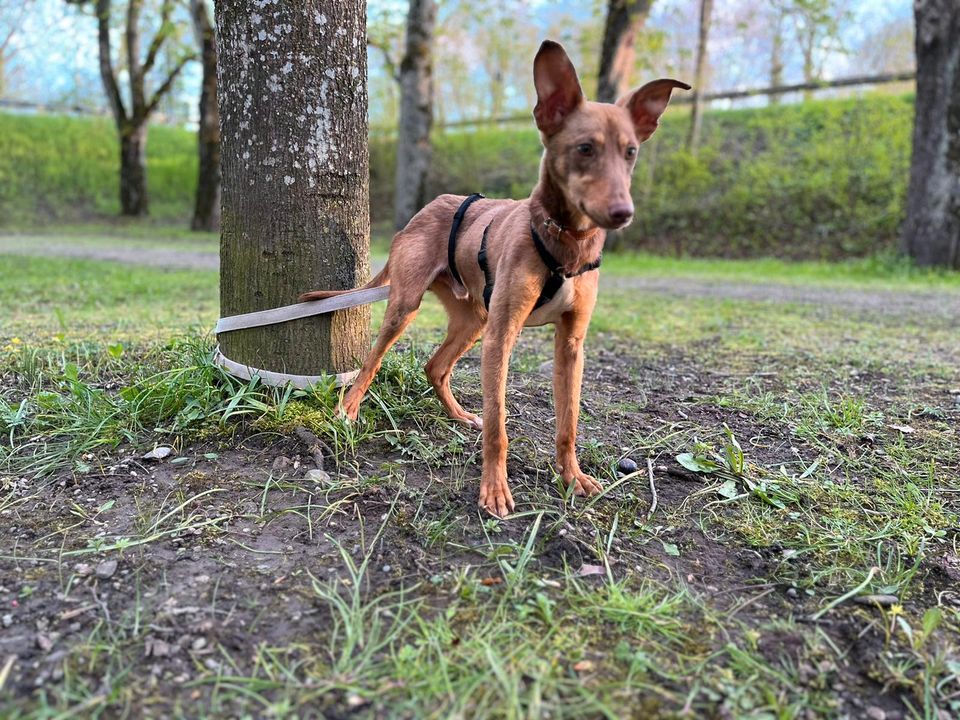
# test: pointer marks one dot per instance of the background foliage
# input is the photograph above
(818, 180)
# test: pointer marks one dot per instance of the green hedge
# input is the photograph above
(823, 179)
(65, 169)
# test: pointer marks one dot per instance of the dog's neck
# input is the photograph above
(570, 236)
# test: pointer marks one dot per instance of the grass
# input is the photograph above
(824, 473)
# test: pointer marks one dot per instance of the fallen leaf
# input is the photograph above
(584, 666)
(491, 581)
(728, 489)
(905, 429)
(882, 600)
(670, 549)
(590, 570)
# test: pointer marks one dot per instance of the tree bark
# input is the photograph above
(206, 211)
(416, 112)
(293, 112)
(931, 233)
(133, 170)
(624, 20)
(696, 116)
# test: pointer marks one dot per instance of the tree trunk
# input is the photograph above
(624, 20)
(293, 111)
(133, 170)
(776, 56)
(696, 115)
(206, 212)
(416, 112)
(931, 233)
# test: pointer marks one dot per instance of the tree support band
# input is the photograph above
(348, 299)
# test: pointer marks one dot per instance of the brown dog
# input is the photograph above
(506, 264)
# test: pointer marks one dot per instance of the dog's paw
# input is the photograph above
(495, 497)
(349, 412)
(471, 420)
(583, 485)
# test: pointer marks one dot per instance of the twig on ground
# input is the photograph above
(315, 446)
(653, 489)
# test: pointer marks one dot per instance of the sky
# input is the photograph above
(55, 55)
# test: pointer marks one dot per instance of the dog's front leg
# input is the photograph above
(567, 377)
(508, 311)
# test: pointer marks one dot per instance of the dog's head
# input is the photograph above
(591, 147)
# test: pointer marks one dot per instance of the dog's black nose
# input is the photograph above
(621, 213)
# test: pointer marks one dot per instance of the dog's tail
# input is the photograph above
(380, 279)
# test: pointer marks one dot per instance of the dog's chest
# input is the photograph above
(550, 312)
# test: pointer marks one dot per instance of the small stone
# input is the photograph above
(158, 453)
(44, 642)
(875, 713)
(387, 568)
(546, 368)
(199, 644)
(318, 477)
(83, 569)
(627, 466)
(7, 620)
(792, 592)
(157, 648)
(106, 569)
(282, 462)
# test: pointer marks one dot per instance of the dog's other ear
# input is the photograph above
(647, 104)
(558, 89)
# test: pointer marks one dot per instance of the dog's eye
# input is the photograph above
(585, 149)
(631, 152)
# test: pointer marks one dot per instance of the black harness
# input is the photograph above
(555, 279)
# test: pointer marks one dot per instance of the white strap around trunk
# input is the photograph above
(349, 299)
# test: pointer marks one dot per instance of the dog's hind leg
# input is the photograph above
(463, 330)
(406, 294)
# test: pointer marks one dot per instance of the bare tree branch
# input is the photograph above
(106, 64)
(14, 27)
(167, 84)
(162, 34)
(388, 61)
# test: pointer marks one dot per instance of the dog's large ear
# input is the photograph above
(558, 89)
(647, 104)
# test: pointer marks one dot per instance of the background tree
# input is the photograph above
(776, 49)
(293, 114)
(416, 111)
(696, 114)
(931, 234)
(617, 55)
(816, 26)
(12, 15)
(132, 119)
(206, 212)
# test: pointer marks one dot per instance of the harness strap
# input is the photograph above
(484, 265)
(555, 279)
(454, 229)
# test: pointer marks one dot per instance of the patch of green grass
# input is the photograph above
(890, 272)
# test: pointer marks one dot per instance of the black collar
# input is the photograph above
(550, 261)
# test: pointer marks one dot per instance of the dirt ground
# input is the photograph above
(198, 583)
(228, 538)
